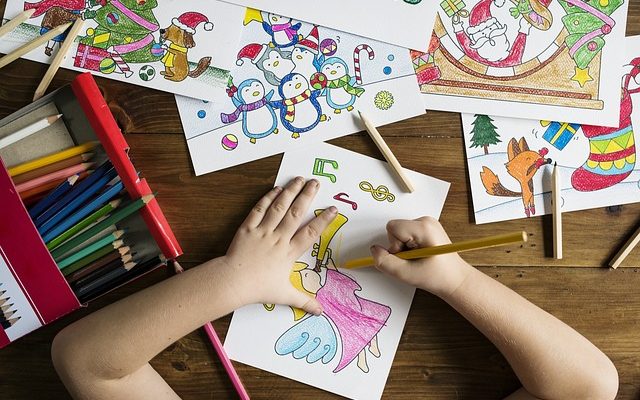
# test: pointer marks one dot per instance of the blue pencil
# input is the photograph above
(79, 188)
(77, 202)
(55, 194)
(102, 199)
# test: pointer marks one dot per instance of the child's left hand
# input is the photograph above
(271, 239)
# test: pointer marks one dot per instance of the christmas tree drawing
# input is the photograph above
(484, 133)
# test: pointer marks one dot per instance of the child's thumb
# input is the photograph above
(387, 262)
(306, 303)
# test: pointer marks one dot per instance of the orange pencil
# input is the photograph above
(26, 196)
(52, 177)
(36, 173)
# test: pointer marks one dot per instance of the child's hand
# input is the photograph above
(269, 242)
(440, 275)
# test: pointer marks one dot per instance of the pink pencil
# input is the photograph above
(53, 176)
(217, 345)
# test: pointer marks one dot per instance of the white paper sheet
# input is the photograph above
(597, 165)
(257, 336)
(387, 92)
(110, 53)
(559, 61)
(403, 23)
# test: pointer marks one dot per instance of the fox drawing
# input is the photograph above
(523, 164)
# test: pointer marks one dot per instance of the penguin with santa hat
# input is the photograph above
(274, 63)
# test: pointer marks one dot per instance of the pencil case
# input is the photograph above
(33, 290)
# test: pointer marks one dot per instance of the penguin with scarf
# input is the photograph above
(300, 110)
(279, 28)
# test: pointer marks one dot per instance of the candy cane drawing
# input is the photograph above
(356, 59)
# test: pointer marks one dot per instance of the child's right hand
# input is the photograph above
(440, 275)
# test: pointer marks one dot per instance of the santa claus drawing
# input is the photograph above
(485, 39)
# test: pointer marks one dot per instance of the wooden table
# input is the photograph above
(441, 356)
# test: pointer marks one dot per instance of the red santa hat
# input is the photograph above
(312, 41)
(480, 17)
(252, 51)
(190, 20)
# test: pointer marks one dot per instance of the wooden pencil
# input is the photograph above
(108, 239)
(15, 21)
(34, 44)
(556, 199)
(625, 250)
(107, 269)
(28, 130)
(7, 307)
(8, 324)
(90, 272)
(91, 254)
(106, 260)
(468, 245)
(53, 177)
(107, 281)
(4, 301)
(61, 55)
(93, 257)
(36, 173)
(51, 158)
(54, 195)
(8, 314)
(386, 152)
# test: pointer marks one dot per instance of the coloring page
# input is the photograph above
(348, 349)
(176, 46)
(539, 59)
(510, 161)
(382, 20)
(287, 92)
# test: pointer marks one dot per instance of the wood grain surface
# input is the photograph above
(441, 356)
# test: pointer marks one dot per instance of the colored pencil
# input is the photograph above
(556, 199)
(53, 177)
(8, 324)
(105, 223)
(34, 44)
(4, 301)
(28, 130)
(107, 280)
(17, 20)
(111, 238)
(100, 263)
(3, 292)
(36, 173)
(94, 253)
(625, 250)
(468, 245)
(73, 205)
(118, 264)
(89, 272)
(95, 204)
(93, 257)
(386, 152)
(8, 314)
(5, 308)
(58, 192)
(52, 158)
(58, 59)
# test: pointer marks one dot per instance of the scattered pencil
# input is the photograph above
(625, 250)
(556, 199)
(28, 130)
(15, 21)
(34, 44)
(386, 152)
(82, 158)
(52, 158)
(468, 245)
(58, 59)
(53, 177)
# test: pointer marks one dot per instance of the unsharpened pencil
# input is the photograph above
(91, 253)
(8, 324)
(625, 250)
(468, 245)
(15, 21)
(34, 44)
(53, 177)
(52, 158)
(52, 168)
(58, 59)
(28, 130)
(556, 199)
(90, 272)
(386, 152)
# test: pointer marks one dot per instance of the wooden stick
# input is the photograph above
(626, 250)
(26, 48)
(17, 20)
(58, 59)
(468, 245)
(386, 152)
(556, 199)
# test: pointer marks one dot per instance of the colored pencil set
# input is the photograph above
(8, 316)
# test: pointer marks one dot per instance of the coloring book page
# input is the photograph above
(296, 88)
(509, 160)
(539, 59)
(382, 20)
(182, 47)
(349, 349)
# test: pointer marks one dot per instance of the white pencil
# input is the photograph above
(28, 131)
(556, 198)
(17, 20)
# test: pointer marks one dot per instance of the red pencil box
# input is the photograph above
(29, 277)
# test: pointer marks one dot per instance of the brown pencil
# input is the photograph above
(47, 169)
(96, 269)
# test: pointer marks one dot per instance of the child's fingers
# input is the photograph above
(281, 204)
(258, 212)
(298, 209)
(305, 302)
(309, 234)
(403, 233)
(388, 263)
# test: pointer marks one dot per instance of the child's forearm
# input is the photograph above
(551, 359)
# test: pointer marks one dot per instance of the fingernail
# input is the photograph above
(314, 183)
(277, 189)
(317, 311)
(299, 179)
(333, 209)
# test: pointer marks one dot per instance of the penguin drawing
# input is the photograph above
(253, 105)
(300, 109)
(306, 56)
(283, 33)
(340, 91)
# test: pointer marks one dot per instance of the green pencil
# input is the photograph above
(83, 262)
(104, 224)
(106, 209)
(85, 251)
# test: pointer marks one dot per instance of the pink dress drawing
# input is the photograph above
(358, 320)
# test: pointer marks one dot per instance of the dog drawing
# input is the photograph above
(523, 164)
(175, 60)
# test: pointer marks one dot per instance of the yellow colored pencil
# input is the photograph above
(468, 245)
(52, 158)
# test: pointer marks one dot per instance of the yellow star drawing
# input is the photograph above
(582, 76)
(252, 15)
